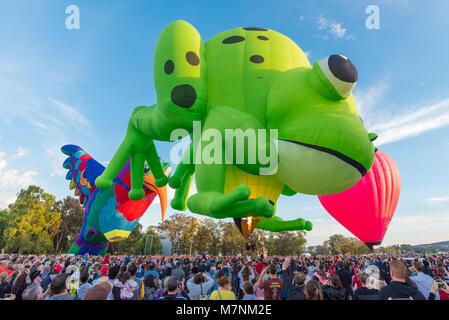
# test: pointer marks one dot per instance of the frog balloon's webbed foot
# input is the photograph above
(276, 224)
(234, 204)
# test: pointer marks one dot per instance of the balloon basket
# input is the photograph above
(371, 245)
(250, 250)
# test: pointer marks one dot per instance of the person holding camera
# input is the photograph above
(199, 285)
(272, 286)
(173, 285)
(423, 281)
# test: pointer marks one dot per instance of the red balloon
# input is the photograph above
(366, 209)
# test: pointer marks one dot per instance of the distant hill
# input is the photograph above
(435, 247)
(436, 244)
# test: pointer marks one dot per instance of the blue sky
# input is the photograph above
(60, 86)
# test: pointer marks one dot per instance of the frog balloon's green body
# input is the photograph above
(247, 79)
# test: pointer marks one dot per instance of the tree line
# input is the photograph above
(36, 223)
(339, 244)
(191, 235)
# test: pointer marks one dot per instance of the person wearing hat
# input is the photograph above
(99, 291)
(57, 269)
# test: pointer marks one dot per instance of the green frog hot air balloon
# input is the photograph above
(251, 82)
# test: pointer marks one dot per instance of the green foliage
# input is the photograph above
(231, 240)
(322, 250)
(339, 244)
(4, 221)
(289, 243)
(33, 222)
(72, 215)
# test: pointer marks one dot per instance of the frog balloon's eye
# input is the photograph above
(337, 74)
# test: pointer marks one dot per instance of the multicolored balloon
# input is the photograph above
(109, 215)
(367, 208)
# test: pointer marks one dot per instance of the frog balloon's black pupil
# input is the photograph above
(256, 59)
(183, 95)
(342, 68)
(262, 38)
(169, 67)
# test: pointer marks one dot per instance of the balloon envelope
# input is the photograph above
(366, 209)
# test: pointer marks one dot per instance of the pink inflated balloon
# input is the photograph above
(366, 209)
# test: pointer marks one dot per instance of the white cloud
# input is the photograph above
(11, 181)
(425, 229)
(70, 112)
(57, 172)
(334, 28)
(3, 162)
(321, 220)
(322, 23)
(337, 30)
(40, 125)
(368, 98)
(418, 121)
(311, 207)
(438, 201)
(408, 122)
(21, 152)
(49, 152)
(8, 120)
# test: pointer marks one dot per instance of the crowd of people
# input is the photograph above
(203, 277)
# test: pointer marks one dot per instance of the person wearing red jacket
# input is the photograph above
(106, 259)
(259, 267)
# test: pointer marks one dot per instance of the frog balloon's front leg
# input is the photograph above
(276, 224)
(179, 201)
(210, 173)
(140, 147)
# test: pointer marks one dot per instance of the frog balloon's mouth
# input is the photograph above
(316, 170)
